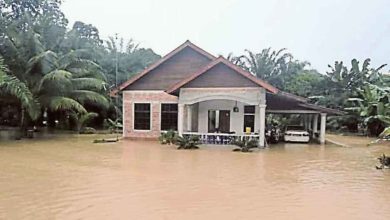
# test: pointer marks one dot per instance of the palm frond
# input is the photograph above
(58, 75)
(87, 96)
(60, 103)
(60, 78)
(47, 60)
(87, 73)
(14, 87)
(385, 132)
(88, 83)
(74, 56)
(82, 119)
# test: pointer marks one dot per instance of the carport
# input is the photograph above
(286, 103)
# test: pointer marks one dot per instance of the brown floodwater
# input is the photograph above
(68, 177)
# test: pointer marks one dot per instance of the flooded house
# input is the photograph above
(194, 92)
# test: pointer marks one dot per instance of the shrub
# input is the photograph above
(88, 130)
(245, 145)
(169, 137)
(384, 161)
(188, 142)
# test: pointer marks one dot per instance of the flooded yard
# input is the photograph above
(68, 177)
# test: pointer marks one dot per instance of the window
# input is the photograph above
(142, 116)
(169, 117)
(249, 117)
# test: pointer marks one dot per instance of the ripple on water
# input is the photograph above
(70, 178)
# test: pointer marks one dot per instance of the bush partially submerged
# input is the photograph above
(384, 161)
(188, 142)
(113, 126)
(88, 130)
(245, 145)
(169, 137)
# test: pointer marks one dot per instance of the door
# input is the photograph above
(224, 121)
(213, 120)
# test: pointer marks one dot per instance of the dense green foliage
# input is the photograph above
(64, 75)
(12, 86)
(47, 69)
(360, 90)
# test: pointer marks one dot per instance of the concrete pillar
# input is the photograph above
(307, 121)
(189, 117)
(180, 119)
(315, 125)
(323, 128)
(262, 125)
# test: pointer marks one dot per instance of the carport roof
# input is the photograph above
(283, 102)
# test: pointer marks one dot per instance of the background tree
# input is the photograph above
(333, 89)
(66, 71)
(12, 86)
(373, 106)
(130, 57)
(276, 67)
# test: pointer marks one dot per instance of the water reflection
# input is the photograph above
(67, 177)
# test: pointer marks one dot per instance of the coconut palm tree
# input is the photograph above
(81, 119)
(11, 88)
(61, 80)
(238, 60)
(68, 81)
(276, 67)
(267, 63)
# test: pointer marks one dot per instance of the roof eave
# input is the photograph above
(323, 109)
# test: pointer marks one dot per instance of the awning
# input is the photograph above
(292, 104)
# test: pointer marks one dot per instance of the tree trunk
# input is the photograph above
(22, 123)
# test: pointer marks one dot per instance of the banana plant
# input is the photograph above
(373, 105)
(113, 126)
(356, 76)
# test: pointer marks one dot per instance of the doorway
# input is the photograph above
(219, 121)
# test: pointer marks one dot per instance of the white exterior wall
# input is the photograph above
(236, 118)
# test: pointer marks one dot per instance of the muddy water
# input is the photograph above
(69, 178)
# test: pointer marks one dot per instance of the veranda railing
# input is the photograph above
(221, 138)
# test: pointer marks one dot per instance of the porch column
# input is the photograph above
(180, 119)
(323, 128)
(315, 125)
(262, 125)
(306, 121)
(189, 117)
